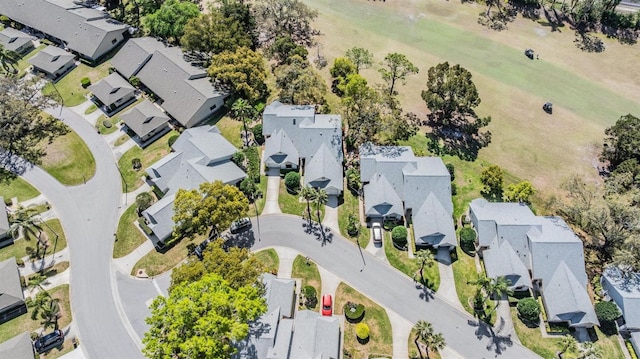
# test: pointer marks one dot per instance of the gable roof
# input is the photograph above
(380, 199)
(323, 171)
(315, 336)
(279, 109)
(279, 294)
(10, 288)
(4, 218)
(144, 118)
(18, 347)
(160, 217)
(567, 299)
(624, 289)
(51, 59)
(13, 39)
(278, 150)
(501, 260)
(432, 224)
(134, 54)
(86, 31)
(111, 88)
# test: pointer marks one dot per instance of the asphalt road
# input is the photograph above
(89, 216)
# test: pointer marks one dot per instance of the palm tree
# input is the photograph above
(320, 199)
(499, 287)
(25, 221)
(426, 259)
(8, 58)
(309, 194)
(242, 110)
(483, 285)
(588, 350)
(423, 330)
(37, 281)
(40, 301)
(568, 343)
(435, 342)
(50, 313)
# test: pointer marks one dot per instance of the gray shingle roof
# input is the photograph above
(10, 288)
(566, 299)
(159, 217)
(4, 219)
(51, 59)
(13, 39)
(625, 292)
(18, 347)
(279, 294)
(432, 224)
(315, 336)
(279, 150)
(323, 171)
(380, 199)
(111, 89)
(134, 54)
(144, 118)
(501, 260)
(86, 31)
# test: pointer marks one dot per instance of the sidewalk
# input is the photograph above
(30, 268)
(286, 256)
(125, 264)
(50, 283)
(331, 214)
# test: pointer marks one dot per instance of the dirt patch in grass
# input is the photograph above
(18, 188)
(308, 272)
(148, 156)
(69, 160)
(380, 339)
(269, 259)
(128, 236)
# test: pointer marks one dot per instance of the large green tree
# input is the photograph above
(240, 72)
(209, 209)
(341, 69)
(291, 18)
(8, 59)
(243, 111)
(396, 67)
(284, 49)
(519, 192)
(451, 96)
(170, 19)
(360, 57)
(362, 111)
(24, 127)
(492, 179)
(622, 141)
(214, 33)
(201, 319)
(299, 83)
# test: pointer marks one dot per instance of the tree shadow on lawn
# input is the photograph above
(322, 233)
(498, 343)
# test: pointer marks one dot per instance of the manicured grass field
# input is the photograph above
(309, 274)
(268, 258)
(148, 156)
(128, 236)
(292, 204)
(411, 267)
(18, 188)
(69, 160)
(69, 86)
(590, 91)
(155, 263)
(18, 248)
(464, 270)
(231, 130)
(350, 206)
(380, 339)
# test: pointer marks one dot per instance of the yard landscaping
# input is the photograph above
(269, 259)
(19, 246)
(147, 156)
(413, 349)
(293, 204)
(69, 86)
(411, 267)
(18, 188)
(128, 236)
(155, 263)
(308, 272)
(380, 343)
(464, 270)
(231, 130)
(69, 160)
(113, 121)
(259, 202)
(350, 207)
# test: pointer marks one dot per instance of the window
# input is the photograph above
(114, 41)
(55, 58)
(294, 121)
(213, 107)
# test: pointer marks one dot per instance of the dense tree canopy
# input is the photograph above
(492, 179)
(211, 208)
(132, 12)
(299, 83)
(451, 96)
(341, 69)
(396, 68)
(362, 111)
(284, 49)
(170, 19)
(201, 319)
(214, 33)
(23, 125)
(519, 192)
(360, 57)
(291, 18)
(622, 142)
(240, 72)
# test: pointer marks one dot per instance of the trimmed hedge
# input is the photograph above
(253, 163)
(353, 312)
(292, 181)
(468, 239)
(85, 82)
(399, 236)
(529, 309)
(173, 140)
(362, 331)
(607, 311)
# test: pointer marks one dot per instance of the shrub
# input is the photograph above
(292, 181)
(107, 124)
(85, 82)
(467, 239)
(20, 262)
(399, 236)
(362, 331)
(310, 296)
(529, 309)
(238, 159)
(354, 312)
(136, 164)
(454, 189)
(253, 163)
(34, 335)
(631, 350)
(134, 80)
(607, 311)
(23, 282)
(173, 140)
(353, 179)
(4, 19)
(143, 224)
(144, 200)
(111, 70)
(353, 226)
(257, 133)
(451, 170)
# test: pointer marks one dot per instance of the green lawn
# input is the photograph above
(121, 140)
(91, 109)
(69, 86)
(464, 270)
(24, 323)
(18, 248)
(291, 204)
(18, 188)
(350, 206)
(380, 342)
(260, 201)
(231, 130)
(155, 263)
(69, 160)
(268, 258)
(128, 236)
(400, 260)
(148, 156)
(309, 274)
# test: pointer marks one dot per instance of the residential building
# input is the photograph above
(297, 137)
(398, 184)
(199, 155)
(11, 295)
(90, 33)
(113, 93)
(18, 347)
(146, 120)
(53, 61)
(538, 253)
(624, 289)
(16, 41)
(184, 91)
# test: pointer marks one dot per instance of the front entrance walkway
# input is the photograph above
(286, 257)
(273, 190)
(331, 214)
(447, 289)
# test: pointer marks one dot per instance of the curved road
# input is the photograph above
(89, 215)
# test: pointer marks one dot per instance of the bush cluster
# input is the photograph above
(529, 309)
(467, 239)
(257, 133)
(310, 296)
(353, 226)
(173, 140)
(85, 82)
(292, 181)
(399, 236)
(607, 311)
(354, 312)
(362, 331)
(253, 163)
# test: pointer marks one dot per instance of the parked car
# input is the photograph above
(49, 341)
(238, 225)
(327, 305)
(377, 232)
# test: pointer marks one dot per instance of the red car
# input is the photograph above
(326, 305)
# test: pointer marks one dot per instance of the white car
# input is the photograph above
(238, 225)
(377, 232)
